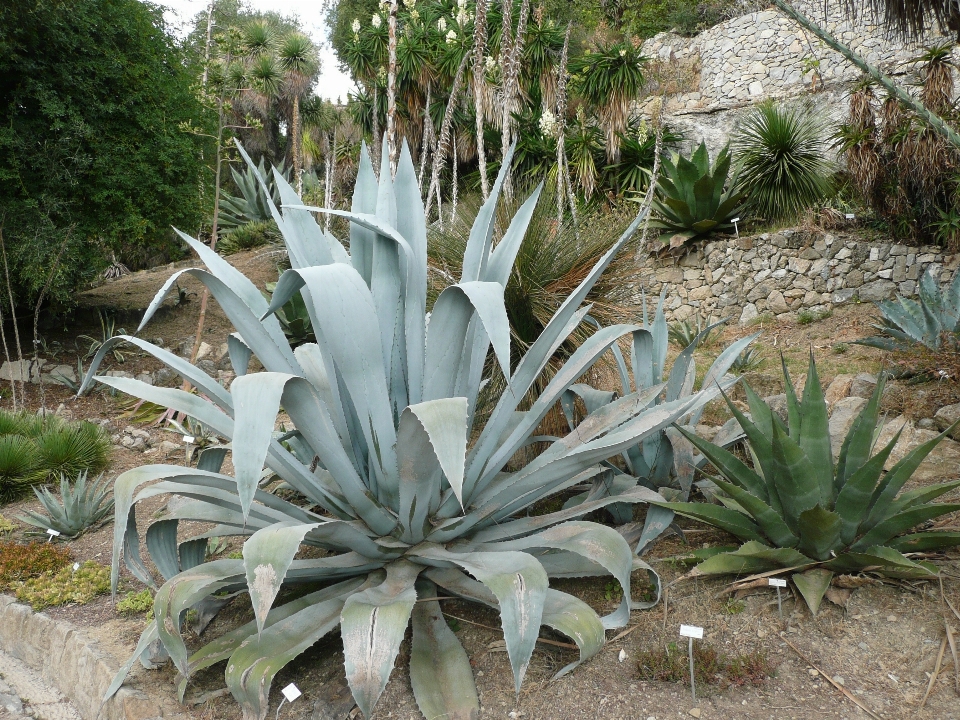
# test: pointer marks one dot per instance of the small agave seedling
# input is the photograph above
(797, 511)
(397, 485)
(664, 461)
(79, 508)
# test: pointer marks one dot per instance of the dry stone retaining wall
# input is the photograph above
(783, 273)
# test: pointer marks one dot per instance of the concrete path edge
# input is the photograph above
(66, 659)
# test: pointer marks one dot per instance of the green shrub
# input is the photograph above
(799, 512)
(808, 317)
(6, 526)
(782, 155)
(19, 466)
(69, 451)
(20, 562)
(248, 236)
(135, 603)
(694, 198)
(65, 586)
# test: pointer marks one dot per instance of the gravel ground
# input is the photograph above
(23, 695)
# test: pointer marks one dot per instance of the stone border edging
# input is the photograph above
(60, 653)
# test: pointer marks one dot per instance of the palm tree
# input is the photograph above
(300, 63)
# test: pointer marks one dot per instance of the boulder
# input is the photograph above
(947, 416)
(863, 385)
(838, 389)
(943, 462)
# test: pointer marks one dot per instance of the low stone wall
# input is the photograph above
(783, 273)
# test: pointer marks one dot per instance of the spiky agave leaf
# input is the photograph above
(796, 509)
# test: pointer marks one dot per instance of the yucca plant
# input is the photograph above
(73, 449)
(80, 507)
(781, 152)
(394, 479)
(798, 512)
(906, 323)
(19, 466)
(693, 200)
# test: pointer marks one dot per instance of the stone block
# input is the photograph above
(863, 385)
(838, 389)
(776, 303)
(877, 290)
(947, 416)
(845, 411)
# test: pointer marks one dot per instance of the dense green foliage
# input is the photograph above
(781, 153)
(35, 448)
(65, 586)
(695, 198)
(94, 154)
(906, 323)
(795, 509)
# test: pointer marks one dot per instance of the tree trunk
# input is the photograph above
(297, 145)
(392, 89)
(511, 75)
(440, 152)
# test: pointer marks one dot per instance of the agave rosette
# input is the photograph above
(796, 510)
(397, 485)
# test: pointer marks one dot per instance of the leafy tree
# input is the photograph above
(101, 140)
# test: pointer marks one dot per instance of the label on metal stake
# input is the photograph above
(691, 631)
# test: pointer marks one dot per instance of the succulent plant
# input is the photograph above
(664, 461)
(798, 511)
(906, 323)
(692, 199)
(80, 507)
(394, 480)
(256, 185)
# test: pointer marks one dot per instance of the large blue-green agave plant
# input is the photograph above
(397, 483)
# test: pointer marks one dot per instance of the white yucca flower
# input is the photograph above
(491, 63)
(548, 123)
(643, 132)
(442, 25)
(355, 26)
(623, 53)
(463, 17)
(377, 20)
(451, 36)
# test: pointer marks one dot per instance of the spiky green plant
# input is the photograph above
(19, 466)
(906, 323)
(798, 512)
(408, 492)
(682, 333)
(80, 507)
(74, 449)
(294, 319)
(695, 198)
(252, 204)
(247, 236)
(782, 154)
(664, 460)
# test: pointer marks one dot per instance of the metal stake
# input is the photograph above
(693, 684)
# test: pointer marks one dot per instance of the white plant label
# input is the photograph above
(291, 692)
(53, 533)
(76, 566)
(778, 582)
(691, 631)
(849, 216)
(735, 220)
(189, 439)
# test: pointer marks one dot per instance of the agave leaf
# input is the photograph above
(267, 556)
(819, 532)
(578, 621)
(769, 521)
(520, 583)
(853, 501)
(813, 585)
(162, 545)
(762, 451)
(176, 399)
(240, 354)
(856, 447)
(921, 495)
(735, 523)
(893, 481)
(373, 625)
(886, 559)
(503, 256)
(661, 339)
(305, 240)
(253, 665)
(925, 541)
(181, 592)
(447, 333)
(730, 466)
(149, 636)
(752, 557)
(721, 366)
(893, 525)
(440, 671)
(432, 437)
(477, 253)
(598, 544)
(794, 478)
(814, 437)
(656, 522)
(364, 203)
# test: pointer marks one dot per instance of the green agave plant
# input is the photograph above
(664, 461)
(252, 204)
(906, 323)
(79, 508)
(798, 511)
(693, 201)
(396, 483)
